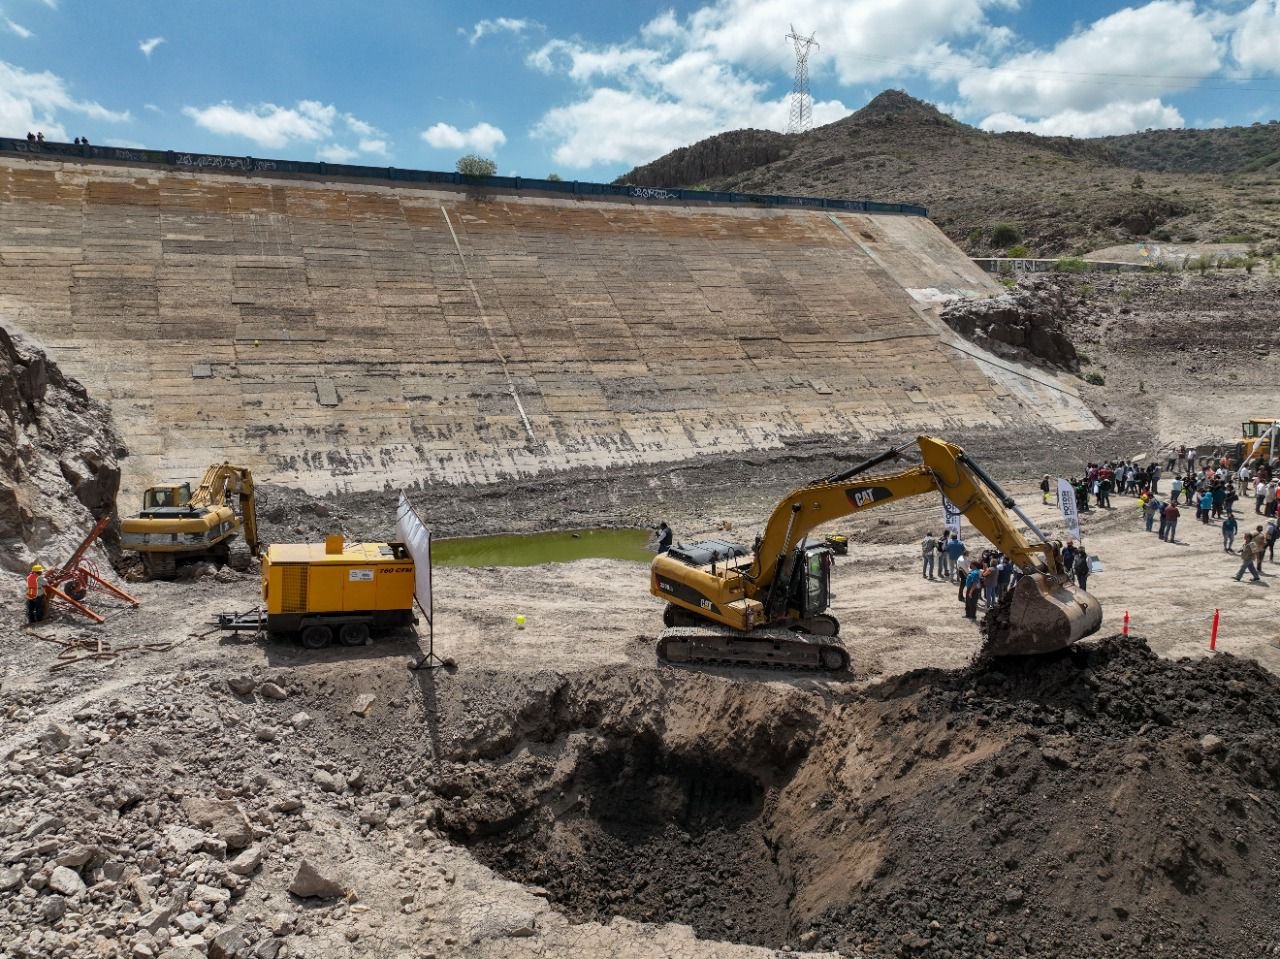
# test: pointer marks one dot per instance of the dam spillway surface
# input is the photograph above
(342, 335)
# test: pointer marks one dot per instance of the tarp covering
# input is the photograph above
(411, 531)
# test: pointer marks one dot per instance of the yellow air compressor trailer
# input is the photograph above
(323, 591)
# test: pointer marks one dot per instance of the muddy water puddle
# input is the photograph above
(534, 549)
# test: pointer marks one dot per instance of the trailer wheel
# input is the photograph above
(353, 634)
(317, 637)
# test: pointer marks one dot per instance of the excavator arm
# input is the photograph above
(223, 479)
(946, 469)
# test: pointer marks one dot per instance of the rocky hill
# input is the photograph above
(58, 451)
(992, 192)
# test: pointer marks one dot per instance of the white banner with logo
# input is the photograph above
(411, 531)
(951, 517)
(1067, 503)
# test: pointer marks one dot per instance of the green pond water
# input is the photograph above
(533, 549)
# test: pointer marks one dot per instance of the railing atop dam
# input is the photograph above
(216, 163)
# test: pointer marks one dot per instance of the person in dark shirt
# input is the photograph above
(665, 537)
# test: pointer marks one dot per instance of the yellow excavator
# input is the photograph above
(177, 525)
(1259, 441)
(767, 606)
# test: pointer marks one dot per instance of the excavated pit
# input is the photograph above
(640, 832)
(1099, 801)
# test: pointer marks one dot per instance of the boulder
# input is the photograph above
(312, 883)
(228, 944)
(224, 818)
(242, 685)
(10, 879)
(185, 841)
(247, 863)
(66, 881)
(272, 691)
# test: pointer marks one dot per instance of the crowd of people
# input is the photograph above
(988, 577)
(1214, 489)
(1209, 485)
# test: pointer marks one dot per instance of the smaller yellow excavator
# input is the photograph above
(767, 606)
(177, 525)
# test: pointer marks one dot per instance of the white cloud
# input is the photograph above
(358, 126)
(1108, 120)
(268, 125)
(1255, 38)
(483, 137)
(153, 108)
(1122, 60)
(277, 127)
(484, 28)
(148, 46)
(19, 29)
(621, 126)
(51, 4)
(36, 101)
(336, 153)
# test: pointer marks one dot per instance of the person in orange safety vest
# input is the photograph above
(35, 594)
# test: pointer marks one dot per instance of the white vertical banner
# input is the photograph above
(951, 517)
(1067, 503)
(411, 531)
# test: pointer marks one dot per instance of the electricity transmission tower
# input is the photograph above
(801, 103)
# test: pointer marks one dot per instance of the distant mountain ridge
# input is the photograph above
(1059, 195)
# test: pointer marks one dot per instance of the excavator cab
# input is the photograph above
(171, 496)
(809, 587)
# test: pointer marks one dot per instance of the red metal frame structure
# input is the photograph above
(72, 581)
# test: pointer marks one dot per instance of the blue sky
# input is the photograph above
(588, 90)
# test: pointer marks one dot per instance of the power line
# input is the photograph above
(801, 117)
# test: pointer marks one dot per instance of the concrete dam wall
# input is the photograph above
(343, 335)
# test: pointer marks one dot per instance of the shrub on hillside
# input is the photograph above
(1005, 234)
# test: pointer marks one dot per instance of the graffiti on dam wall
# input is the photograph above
(649, 193)
(206, 161)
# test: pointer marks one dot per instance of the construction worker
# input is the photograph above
(35, 594)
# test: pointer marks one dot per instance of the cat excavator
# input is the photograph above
(767, 606)
(177, 525)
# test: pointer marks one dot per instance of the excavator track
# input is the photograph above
(774, 648)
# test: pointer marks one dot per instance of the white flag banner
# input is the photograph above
(417, 539)
(951, 517)
(1067, 503)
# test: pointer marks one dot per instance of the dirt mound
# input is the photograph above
(1099, 802)
(1026, 324)
(58, 453)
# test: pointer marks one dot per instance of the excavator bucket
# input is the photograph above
(1043, 614)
